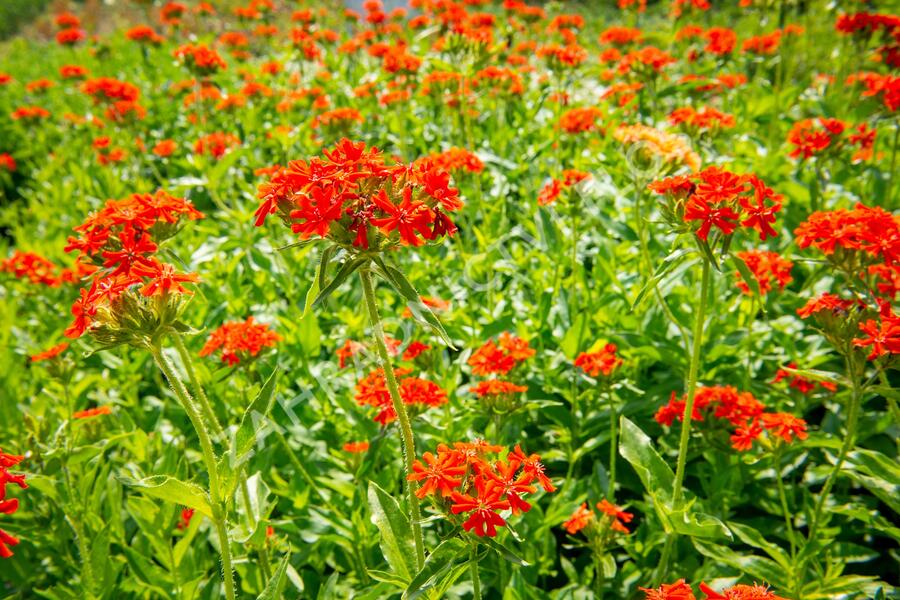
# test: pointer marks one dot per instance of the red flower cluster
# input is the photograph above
(339, 118)
(144, 34)
(887, 86)
(814, 137)
(800, 383)
(462, 480)
(29, 113)
(883, 335)
(38, 270)
(418, 393)
(704, 118)
(867, 24)
(240, 340)
(9, 506)
(454, 159)
(603, 361)
(7, 162)
(739, 409)
(352, 193)
(718, 198)
(581, 120)
(200, 59)
(216, 144)
(493, 358)
(51, 353)
(92, 412)
(122, 238)
(584, 517)
(682, 591)
(551, 192)
(764, 265)
(870, 233)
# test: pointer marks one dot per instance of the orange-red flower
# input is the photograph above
(581, 518)
(92, 412)
(764, 266)
(603, 361)
(51, 353)
(240, 340)
(670, 591)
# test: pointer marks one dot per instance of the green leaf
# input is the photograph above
(505, 552)
(319, 281)
(697, 524)
(437, 562)
(752, 537)
(396, 533)
(419, 309)
(275, 587)
(668, 263)
(758, 568)
(637, 448)
(254, 420)
(173, 490)
(343, 273)
(748, 277)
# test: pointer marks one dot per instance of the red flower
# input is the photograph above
(670, 591)
(184, 520)
(884, 337)
(348, 350)
(495, 387)
(581, 518)
(442, 473)
(408, 218)
(740, 592)
(414, 349)
(51, 353)
(760, 216)
(619, 517)
(603, 361)
(92, 412)
(784, 425)
(356, 447)
(743, 437)
(764, 266)
(699, 209)
(484, 519)
(240, 340)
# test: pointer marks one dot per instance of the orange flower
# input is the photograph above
(581, 518)
(670, 591)
(92, 412)
(51, 353)
(619, 517)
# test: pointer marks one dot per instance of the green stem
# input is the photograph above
(789, 527)
(473, 567)
(87, 567)
(613, 445)
(199, 392)
(893, 170)
(849, 440)
(692, 384)
(209, 458)
(406, 434)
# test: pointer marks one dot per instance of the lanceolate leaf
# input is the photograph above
(419, 309)
(439, 561)
(396, 533)
(254, 419)
(173, 490)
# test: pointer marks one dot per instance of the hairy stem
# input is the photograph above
(209, 458)
(694, 367)
(849, 440)
(406, 434)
